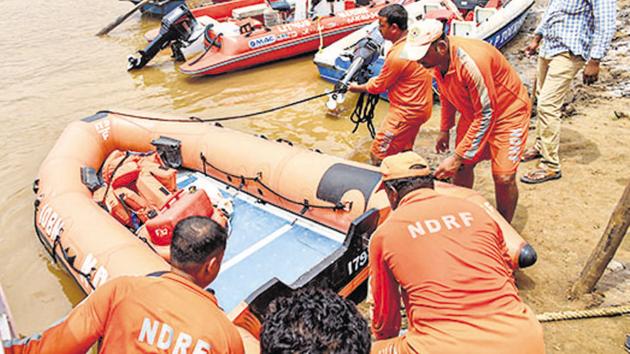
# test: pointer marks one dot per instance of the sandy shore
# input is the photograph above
(564, 219)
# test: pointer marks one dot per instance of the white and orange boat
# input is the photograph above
(7, 330)
(298, 216)
(254, 34)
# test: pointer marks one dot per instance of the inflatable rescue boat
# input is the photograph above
(113, 186)
(255, 33)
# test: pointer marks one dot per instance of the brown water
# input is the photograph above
(54, 71)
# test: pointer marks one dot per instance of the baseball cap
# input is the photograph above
(420, 37)
(404, 165)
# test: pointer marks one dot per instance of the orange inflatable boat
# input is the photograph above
(296, 216)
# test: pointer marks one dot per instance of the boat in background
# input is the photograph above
(158, 8)
(254, 34)
(7, 330)
(296, 218)
(494, 21)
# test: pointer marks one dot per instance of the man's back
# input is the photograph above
(479, 75)
(408, 85)
(450, 259)
(165, 314)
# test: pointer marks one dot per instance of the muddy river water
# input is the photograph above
(54, 71)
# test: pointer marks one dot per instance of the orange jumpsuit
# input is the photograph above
(410, 94)
(447, 258)
(494, 105)
(165, 314)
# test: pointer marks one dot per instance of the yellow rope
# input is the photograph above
(321, 36)
(581, 314)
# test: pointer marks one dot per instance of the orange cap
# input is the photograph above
(420, 37)
(403, 165)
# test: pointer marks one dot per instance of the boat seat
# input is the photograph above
(441, 15)
(249, 11)
(282, 6)
(483, 14)
(206, 20)
(462, 28)
(428, 8)
(469, 4)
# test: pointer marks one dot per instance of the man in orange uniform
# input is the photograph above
(475, 79)
(448, 259)
(160, 313)
(408, 87)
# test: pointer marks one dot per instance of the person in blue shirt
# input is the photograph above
(573, 34)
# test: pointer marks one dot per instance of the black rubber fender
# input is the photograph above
(527, 257)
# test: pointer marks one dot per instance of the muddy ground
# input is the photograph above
(564, 219)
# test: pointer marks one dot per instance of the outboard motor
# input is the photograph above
(177, 26)
(366, 52)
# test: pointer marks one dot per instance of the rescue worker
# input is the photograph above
(448, 260)
(314, 320)
(475, 79)
(408, 87)
(167, 312)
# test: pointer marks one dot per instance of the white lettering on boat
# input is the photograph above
(261, 42)
(432, 226)
(358, 15)
(357, 262)
(100, 275)
(184, 341)
(103, 127)
(294, 26)
(50, 222)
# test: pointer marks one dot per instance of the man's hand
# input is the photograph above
(441, 145)
(356, 88)
(448, 167)
(591, 71)
(532, 48)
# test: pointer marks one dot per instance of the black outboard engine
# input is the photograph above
(176, 26)
(366, 51)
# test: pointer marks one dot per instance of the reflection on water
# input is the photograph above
(54, 71)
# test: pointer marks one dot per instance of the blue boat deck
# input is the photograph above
(264, 242)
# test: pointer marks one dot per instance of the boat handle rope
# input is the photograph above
(194, 119)
(214, 42)
(70, 261)
(306, 205)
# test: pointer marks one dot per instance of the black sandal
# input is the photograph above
(540, 175)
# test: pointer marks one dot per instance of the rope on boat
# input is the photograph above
(364, 112)
(581, 314)
(194, 119)
(321, 35)
(258, 179)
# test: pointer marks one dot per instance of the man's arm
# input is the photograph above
(447, 122)
(385, 292)
(604, 13)
(541, 30)
(76, 333)
(483, 98)
(388, 76)
(447, 114)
